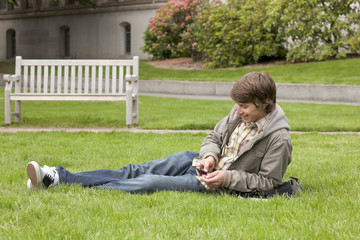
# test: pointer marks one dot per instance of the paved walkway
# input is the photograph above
(96, 130)
(132, 130)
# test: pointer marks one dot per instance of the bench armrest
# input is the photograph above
(131, 78)
(131, 82)
(8, 78)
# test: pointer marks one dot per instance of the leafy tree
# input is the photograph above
(321, 29)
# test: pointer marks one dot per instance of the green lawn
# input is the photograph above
(327, 165)
(327, 72)
(172, 113)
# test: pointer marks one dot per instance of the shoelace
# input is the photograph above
(48, 179)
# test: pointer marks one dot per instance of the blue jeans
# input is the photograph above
(173, 173)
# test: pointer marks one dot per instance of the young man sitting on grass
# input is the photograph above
(248, 150)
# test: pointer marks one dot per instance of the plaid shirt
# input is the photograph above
(242, 134)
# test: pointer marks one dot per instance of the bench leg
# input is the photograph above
(128, 108)
(7, 108)
(17, 111)
(135, 110)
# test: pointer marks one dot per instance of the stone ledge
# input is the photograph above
(318, 93)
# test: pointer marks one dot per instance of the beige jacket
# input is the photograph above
(262, 162)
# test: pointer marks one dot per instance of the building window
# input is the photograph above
(125, 38)
(128, 39)
(65, 41)
(29, 4)
(2, 5)
(10, 43)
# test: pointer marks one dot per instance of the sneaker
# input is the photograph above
(42, 177)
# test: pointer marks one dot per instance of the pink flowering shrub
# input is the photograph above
(168, 35)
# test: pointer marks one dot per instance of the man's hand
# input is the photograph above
(214, 179)
(207, 164)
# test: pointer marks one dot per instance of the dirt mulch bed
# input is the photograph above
(189, 64)
(178, 63)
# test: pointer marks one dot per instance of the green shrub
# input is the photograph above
(245, 32)
(319, 30)
(239, 32)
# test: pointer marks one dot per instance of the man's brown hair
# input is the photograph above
(257, 88)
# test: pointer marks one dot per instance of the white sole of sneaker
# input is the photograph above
(33, 170)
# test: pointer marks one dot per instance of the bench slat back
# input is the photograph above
(74, 76)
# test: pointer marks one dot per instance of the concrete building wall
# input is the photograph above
(94, 33)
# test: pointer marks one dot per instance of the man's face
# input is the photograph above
(249, 112)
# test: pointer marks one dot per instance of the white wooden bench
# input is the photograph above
(73, 80)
